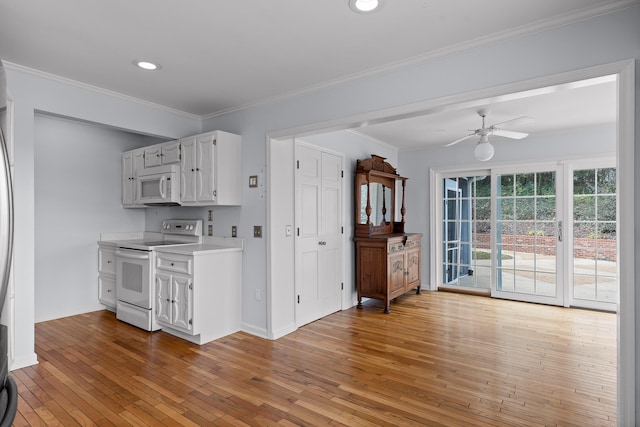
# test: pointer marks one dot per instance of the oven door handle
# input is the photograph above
(132, 255)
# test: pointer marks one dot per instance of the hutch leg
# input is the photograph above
(418, 292)
(387, 303)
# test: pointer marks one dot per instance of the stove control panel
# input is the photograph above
(183, 227)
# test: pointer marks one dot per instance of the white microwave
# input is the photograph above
(159, 186)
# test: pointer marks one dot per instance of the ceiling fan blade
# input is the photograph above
(459, 140)
(509, 134)
(513, 122)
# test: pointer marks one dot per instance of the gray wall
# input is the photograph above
(77, 197)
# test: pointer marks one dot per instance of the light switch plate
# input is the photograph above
(234, 231)
(257, 231)
(253, 181)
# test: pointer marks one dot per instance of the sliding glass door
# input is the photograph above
(528, 237)
(544, 234)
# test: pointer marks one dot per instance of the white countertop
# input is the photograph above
(198, 249)
(209, 244)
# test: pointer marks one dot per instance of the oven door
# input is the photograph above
(133, 277)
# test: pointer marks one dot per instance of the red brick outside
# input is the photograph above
(582, 247)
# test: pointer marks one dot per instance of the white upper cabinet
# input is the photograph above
(132, 163)
(211, 169)
(162, 154)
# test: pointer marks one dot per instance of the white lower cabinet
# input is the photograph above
(198, 296)
(107, 274)
(174, 301)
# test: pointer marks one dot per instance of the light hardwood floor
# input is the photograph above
(439, 359)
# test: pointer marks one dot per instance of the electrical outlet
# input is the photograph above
(257, 231)
(210, 216)
(210, 230)
(234, 231)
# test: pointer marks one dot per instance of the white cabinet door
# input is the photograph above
(181, 302)
(188, 170)
(132, 163)
(205, 168)
(170, 152)
(163, 298)
(174, 301)
(152, 156)
(197, 167)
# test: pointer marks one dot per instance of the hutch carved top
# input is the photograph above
(375, 193)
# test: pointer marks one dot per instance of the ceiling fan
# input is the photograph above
(484, 150)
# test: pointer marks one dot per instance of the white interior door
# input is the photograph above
(319, 232)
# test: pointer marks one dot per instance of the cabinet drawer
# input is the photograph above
(107, 260)
(396, 247)
(107, 290)
(174, 263)
(412, 243)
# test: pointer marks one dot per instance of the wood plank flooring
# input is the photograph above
(438, 359)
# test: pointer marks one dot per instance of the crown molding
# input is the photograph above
(69, 82)
(521, 31)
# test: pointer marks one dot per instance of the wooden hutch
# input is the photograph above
(387, 258)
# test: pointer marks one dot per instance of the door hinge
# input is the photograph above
(342, 286)
(191, 321)
(214, 142)
(341, 174)
(297, 164)
(298, 299)
(298, 231)
(341, 230)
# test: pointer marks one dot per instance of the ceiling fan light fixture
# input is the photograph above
(364, 6)
(484, 150)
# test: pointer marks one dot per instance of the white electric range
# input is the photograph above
(135, 270)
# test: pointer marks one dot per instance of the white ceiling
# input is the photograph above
(221, 55)
(578, 105)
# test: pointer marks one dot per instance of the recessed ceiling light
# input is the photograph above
(147, 65)
(364, 6)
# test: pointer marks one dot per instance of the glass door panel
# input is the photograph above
(594, 263)
(527, 264)
(466, 261)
